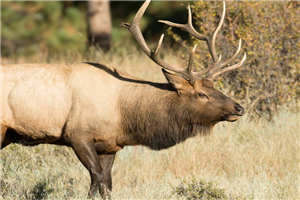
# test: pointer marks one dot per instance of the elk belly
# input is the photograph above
(40, 106)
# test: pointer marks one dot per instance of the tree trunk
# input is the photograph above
(99, 24)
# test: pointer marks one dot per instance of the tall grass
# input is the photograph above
(248, 159)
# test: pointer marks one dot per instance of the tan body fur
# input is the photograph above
(54, 101)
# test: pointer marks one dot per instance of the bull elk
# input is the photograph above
(97, 111)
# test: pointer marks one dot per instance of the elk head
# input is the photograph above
(195, 88)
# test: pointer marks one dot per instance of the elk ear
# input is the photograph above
(180, 84)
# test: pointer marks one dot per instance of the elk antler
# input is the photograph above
(218, 67)
(134, 28)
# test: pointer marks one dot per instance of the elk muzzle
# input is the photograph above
(238, 112)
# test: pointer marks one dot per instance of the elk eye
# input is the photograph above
(202, 95)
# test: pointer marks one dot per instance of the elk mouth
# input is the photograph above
(232, 117)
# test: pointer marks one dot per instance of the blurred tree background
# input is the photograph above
(56, 27)
(269, 31)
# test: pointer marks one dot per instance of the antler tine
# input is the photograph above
(135, 30)
(217, 69)
(188, 27)
(190, 63)
(159, 44)
(212, 45)
(234, 56)
(235, 66)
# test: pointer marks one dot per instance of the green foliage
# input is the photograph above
(270, 75)
(31, 27)
(200, 190)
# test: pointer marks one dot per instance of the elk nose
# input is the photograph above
(239, 109)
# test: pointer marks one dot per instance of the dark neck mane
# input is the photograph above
(158, 120)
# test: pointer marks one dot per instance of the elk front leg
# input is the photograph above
(86, 152)
(106, 162)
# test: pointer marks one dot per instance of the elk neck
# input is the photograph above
(157, 117)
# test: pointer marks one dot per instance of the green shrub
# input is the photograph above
(40, 191)
(199, 190)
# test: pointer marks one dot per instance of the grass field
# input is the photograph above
(248, 159)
